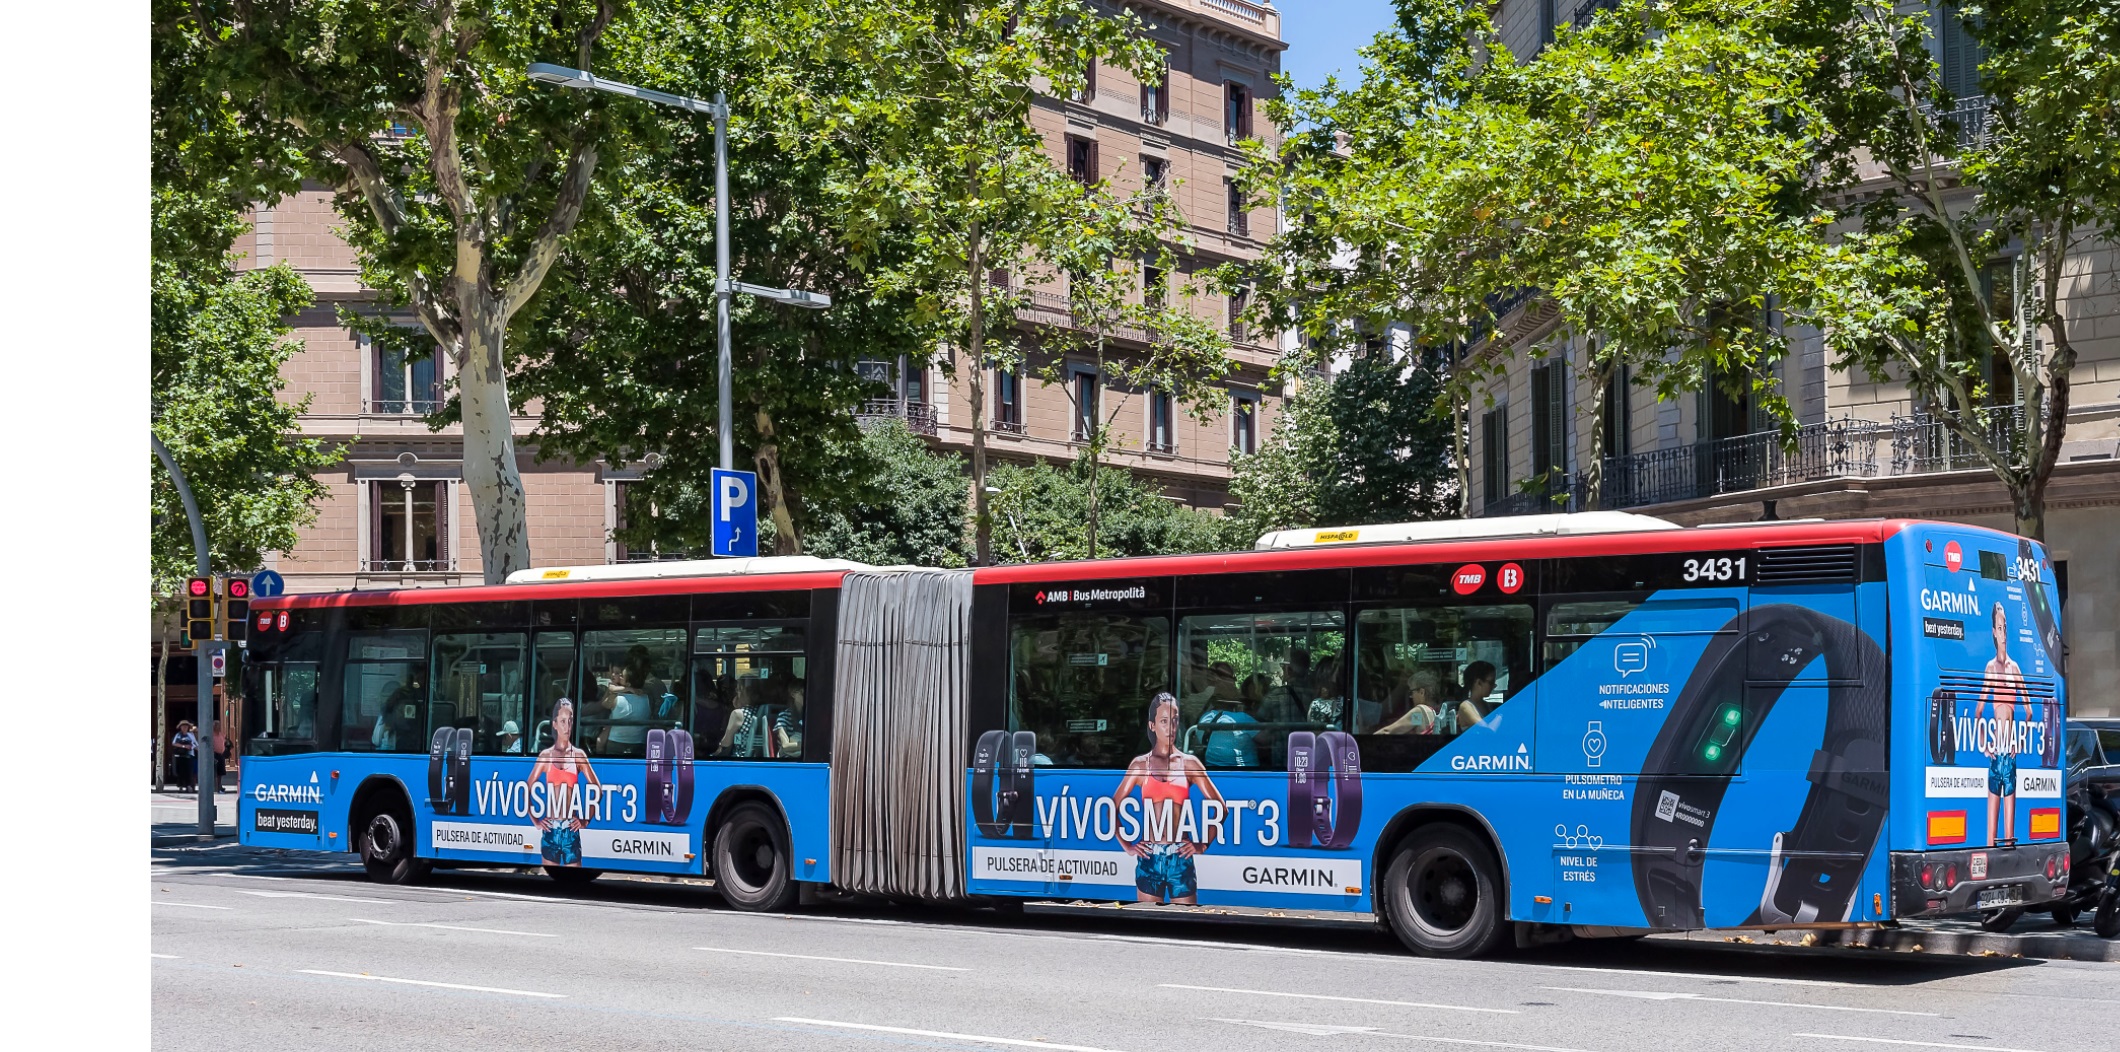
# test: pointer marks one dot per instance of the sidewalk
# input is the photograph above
(174, 816)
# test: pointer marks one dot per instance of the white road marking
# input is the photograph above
(1015, 1042)
(1370, 1031)
(1921, 1044)
(312, 895)
(452, 927)
(1654, 995)
(1701, 975)
(191, 905)
(1210, 944)
(165, 957)
(839, 960)
(1330, 997)
(425, 982)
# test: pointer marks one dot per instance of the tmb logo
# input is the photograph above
(1468, 578)
(1953, 557)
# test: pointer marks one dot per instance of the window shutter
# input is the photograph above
(442, 491)
(1960, 56)
(377, 545)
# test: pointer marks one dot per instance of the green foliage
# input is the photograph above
(1041, 514)
(1364, 446)
(218, 341)
(906, 505)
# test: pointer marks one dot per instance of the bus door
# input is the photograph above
(1621, 667)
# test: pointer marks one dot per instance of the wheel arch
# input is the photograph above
(1414, 817)
(372, 795)
(729, 799)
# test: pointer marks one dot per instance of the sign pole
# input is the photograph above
(202, 648)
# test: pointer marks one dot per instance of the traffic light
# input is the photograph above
(198, 610)
(235, 609)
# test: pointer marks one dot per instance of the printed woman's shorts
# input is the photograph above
(561, 845)
(2002, 775)
(1165, 874)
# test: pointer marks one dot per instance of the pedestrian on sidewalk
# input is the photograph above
(187, 745)
(220, 756)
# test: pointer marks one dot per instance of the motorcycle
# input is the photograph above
(2094, 858)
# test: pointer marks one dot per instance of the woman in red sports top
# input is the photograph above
(1164, 869)
(564, 768)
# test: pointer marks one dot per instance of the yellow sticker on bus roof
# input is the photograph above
(1332, 536)
(555, 575)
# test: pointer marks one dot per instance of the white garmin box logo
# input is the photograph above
(2039, 785)
(1286, 874)
(1957, 782)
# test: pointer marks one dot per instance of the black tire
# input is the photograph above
(2065, 917)
(386, 847)
(2000, 920)
(2107, 922)
(1443, 894)
(752, 866)
(573, 876)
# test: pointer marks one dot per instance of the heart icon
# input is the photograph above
(1597, 843)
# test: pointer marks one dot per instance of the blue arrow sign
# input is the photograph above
(735, 513)
(265, 584)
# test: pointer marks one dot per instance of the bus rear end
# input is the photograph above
(1978, 819)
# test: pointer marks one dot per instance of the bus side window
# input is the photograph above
(478, 683)
(1438, 669)
(552, 678)
(1267, 673)
(385, 706)
(1082, 682)
(290, 708)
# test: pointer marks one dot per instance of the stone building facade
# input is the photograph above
(398, 515)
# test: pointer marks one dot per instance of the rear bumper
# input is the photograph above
(1941, 883)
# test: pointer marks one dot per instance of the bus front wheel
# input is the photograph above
(751, 860)
(386, 848)
(1442, 894)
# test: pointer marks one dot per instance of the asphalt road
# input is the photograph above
(280, 951)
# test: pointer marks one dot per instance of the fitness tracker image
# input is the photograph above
(438, 755)
(1324, 789)
(460, 773)
(1003, 792)
(1943, 726)
(656, 748)
(1814, 867)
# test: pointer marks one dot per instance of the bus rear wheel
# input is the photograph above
(751, 860)
(386, 848)
(1442, 894)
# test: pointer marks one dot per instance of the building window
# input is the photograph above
(1155, 96)
(1082, 159)
(1239, 302)
(408, 526)
(1155, 286)
(1239, 216)
(404, 384)
(1494, 453)
(1008, 401)
(1244, 423)
(1236, 111)
(1085, 394)
(1618, 423)
(1549, 425)
(1548, 16)
(1155, 173)
(1089, 83)
(1162, 423)
(915, 385)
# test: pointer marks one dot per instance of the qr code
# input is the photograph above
(1667, 805)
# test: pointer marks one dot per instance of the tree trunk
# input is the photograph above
(982, 521)
(772, 496)
(1594, 472)
(490, 469)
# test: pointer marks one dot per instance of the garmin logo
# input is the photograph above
(643, 846)
(1942, 602)
(1289, 876)
(289, 794)
(1520, 762)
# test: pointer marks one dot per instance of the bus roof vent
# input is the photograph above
(683, 568)
(1826, 564)
(1469, 529)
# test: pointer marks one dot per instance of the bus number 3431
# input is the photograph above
(1714, 569)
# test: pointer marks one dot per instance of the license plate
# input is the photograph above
(1979, 866)
(1994, 897)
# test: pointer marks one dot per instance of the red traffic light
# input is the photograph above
(239, 588)
(199, 587)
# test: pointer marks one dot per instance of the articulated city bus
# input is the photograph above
(1597, 724)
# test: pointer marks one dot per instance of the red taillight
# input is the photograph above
(2049, 869)
(1928, 876)
(1950, 875)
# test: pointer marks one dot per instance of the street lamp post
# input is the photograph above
(547, 73)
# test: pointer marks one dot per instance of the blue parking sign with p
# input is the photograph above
(735, 513)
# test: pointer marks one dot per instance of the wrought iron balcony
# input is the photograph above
(1969, 117)
(1835, 449)
(919, 417)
